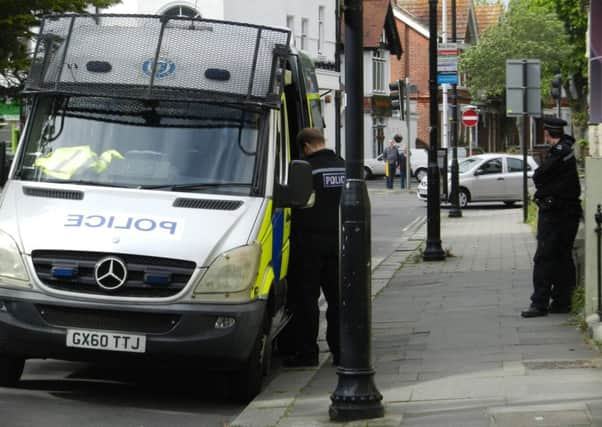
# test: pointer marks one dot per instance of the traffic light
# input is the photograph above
(556, 87)
(396, 93)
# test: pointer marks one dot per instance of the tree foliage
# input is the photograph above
(17, 19)
(574, 16)
(529, 30)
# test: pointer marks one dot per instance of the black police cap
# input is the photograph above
(553, 123)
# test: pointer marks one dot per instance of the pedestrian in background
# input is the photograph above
(402, 168)
(557, 197)
(391, 158)
(314, 262)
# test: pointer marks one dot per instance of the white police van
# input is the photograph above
(147, 210)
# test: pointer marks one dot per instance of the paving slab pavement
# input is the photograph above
(449, 345)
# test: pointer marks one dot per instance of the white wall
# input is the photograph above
(212, 9)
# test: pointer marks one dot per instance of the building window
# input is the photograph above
(304, 33)
(378, 71)
(290, 24)
(320, 29)
(182, 12)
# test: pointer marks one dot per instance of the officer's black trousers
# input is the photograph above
(314, 265)
(554, 274)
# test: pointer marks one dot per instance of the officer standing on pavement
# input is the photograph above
(557, 197)
(315, 254)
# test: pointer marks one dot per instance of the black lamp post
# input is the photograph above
(455, 211)
(433, 250)
(356, 396)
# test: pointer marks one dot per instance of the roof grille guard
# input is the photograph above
(158, 57)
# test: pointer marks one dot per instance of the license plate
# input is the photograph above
(100, 340)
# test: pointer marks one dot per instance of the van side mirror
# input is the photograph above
(299, 188)
(478, 172)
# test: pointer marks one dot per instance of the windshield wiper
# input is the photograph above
(194, 186)
(84, 182)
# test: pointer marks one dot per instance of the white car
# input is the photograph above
(489, 177)
(418, 164)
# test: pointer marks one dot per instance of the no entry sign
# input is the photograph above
(470, 118)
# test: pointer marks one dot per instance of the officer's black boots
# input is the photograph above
(534, 312)
(558, 308)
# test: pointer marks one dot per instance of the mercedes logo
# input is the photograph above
(110, 273)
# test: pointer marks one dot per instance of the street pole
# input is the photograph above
(433, 250)
(525, 137)
(444, 105)
(337, 93)
(356, 396)
(408, 125)
(454, 211)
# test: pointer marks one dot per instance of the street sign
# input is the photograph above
(523, 87)
(470, 118)
(447, 63)
(447, 78)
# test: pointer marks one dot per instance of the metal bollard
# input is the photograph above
(598, 218)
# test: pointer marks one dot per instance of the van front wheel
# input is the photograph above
(246, 382)
(11, 369)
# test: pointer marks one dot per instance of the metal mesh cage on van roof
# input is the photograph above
(158, 57)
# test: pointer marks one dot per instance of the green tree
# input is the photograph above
(574, 16)
(528, 30)
(17, 19)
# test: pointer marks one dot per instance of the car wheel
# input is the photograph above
(367, 173)
(463, 198)
(420, 174)
(245, 383)
(11, 369)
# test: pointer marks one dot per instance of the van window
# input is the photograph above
(312, 91)
(133, 143)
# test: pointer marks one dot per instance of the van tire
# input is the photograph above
(245, 383)
(11, 369)
(420, 174)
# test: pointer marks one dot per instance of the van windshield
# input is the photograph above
(142, 144)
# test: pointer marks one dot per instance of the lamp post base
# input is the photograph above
(433, 251)
(356, 396)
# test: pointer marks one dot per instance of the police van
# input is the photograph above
(146, 214)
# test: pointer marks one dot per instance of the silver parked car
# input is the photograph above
(489, 177)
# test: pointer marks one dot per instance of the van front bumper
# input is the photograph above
(34, 325)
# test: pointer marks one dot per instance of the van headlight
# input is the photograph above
(12, 268)
(232, 271)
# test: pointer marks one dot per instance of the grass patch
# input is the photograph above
(532, 216)
(416, 257)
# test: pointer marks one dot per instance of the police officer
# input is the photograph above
(315, 254)
(557, 196)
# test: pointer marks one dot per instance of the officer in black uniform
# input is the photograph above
(314, 260)
(557, 197)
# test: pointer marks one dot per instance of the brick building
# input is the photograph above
(412, 21)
